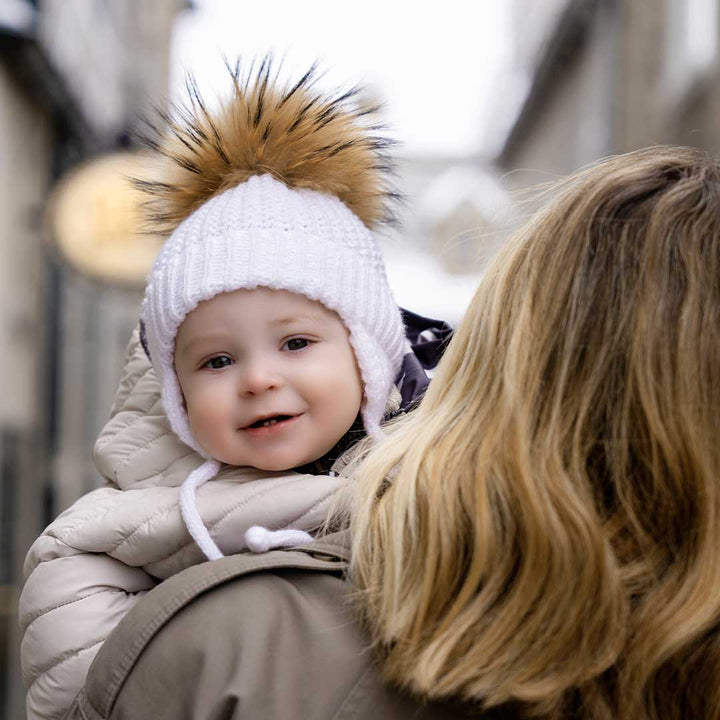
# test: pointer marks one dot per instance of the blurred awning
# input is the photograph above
(94, 217)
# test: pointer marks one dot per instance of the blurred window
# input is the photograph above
(534, 23)
(692, 42)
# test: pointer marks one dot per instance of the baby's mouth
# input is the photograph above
(269, 421)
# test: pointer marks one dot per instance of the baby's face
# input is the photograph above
(268, 376)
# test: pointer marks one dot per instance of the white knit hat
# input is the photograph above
(262, 233)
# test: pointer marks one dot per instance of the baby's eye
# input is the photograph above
(296, 344)
(218, 362)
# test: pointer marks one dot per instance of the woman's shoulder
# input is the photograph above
(268, 636)
(235, 628)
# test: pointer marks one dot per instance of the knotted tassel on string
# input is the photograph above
(188, 508)
(259, 539)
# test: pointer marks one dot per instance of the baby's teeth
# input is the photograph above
(267, 423)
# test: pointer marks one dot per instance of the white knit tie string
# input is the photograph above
(188, 508)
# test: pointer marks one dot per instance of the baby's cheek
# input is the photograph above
(205, 420)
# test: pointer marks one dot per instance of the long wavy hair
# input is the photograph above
(545, 529)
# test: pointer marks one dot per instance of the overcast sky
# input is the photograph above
(432, 64)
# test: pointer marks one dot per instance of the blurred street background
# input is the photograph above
(489, 98)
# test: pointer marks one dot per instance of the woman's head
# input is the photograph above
(556, 497)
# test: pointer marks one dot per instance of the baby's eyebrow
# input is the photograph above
(294, 319)
(199, 340)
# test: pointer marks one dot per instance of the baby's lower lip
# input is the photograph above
(271, 429)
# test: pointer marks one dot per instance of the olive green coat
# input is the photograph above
(250, 636)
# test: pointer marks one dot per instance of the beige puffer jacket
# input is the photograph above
(94, 562)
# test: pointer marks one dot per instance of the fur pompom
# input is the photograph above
(297, 134)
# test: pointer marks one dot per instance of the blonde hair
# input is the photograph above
(545, 529)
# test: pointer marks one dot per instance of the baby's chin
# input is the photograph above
(285, 463)
(284, 466)
(268, 465)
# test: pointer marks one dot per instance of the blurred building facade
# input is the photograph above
(74, 77)
(608, 76)
(589, 78)
(455, 209)
(453, 219)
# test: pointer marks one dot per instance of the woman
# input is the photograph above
(541, 537)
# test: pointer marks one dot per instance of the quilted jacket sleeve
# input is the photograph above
(137, 447)
(76, 592)
(94, 562)
(73, 597)
(71, 602)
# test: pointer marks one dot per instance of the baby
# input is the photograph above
(276, 345)
(271, 326)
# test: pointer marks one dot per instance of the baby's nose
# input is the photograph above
(258, 377)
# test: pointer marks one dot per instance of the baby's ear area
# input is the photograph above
(176, 362)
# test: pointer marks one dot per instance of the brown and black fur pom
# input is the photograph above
(300, 136)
